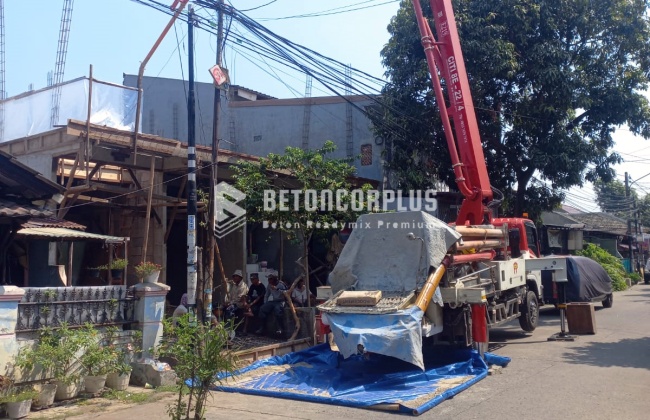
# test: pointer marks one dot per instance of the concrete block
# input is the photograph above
(144, 373)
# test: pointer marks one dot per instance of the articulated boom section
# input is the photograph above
(445, 60)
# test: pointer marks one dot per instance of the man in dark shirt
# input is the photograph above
(256, 294)
(255, 299)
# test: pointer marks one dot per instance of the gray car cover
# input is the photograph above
(588, 281)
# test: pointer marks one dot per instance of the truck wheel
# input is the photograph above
(609, 301)
(529, 313)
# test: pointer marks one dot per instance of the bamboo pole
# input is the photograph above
(287, 297)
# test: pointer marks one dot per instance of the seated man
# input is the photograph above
(273, 302)
(236, 297)
(256, 293)
(300, 295)
(180, 309)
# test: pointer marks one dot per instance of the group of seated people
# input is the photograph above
(256, 302)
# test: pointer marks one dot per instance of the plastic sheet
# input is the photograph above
(398, 334)
(379, 382)
(29, 114)
(369, 261)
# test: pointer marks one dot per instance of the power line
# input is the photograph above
(259, 7)
(335, 11)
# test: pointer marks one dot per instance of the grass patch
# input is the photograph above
(172, 388)
(126, 396)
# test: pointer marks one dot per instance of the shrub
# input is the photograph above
(98, 357)
(201, 354)
(610, 263)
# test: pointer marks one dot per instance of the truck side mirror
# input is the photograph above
(514, 239)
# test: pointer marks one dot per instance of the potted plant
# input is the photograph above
(18, 401)
(65, 345)
(120, 377)
(40, 358)
(96, 360)
(94, 271)
(120, 374)
(117, 267)
(148, 271)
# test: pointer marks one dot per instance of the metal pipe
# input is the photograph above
(423, 299)
(480, 232)
(479, 244)
(141, 73)
(90, 109)
(467, 258)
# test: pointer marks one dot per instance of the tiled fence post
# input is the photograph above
(9, 298)
(149, 312)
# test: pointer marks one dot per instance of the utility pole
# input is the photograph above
(636, 230)
(213, 247)
(191, 175)
(629, 222)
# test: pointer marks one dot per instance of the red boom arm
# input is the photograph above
(445, 60)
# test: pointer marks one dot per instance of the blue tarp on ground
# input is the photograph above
(323, 376)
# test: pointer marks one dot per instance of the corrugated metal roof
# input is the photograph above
(51, 222)
(63, 233)
(12, 209)
(19, 179)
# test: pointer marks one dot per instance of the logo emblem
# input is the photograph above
(228, 215)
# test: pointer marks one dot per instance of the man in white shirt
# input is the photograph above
(300, 295)
(236, 296)
(180, 309)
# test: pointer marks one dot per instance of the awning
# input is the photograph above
(63, 233)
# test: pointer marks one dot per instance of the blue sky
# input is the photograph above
(115, 35)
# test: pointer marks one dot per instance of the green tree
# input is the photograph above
(266, 182)
(550, 80)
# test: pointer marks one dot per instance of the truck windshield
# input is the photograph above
(531, 237)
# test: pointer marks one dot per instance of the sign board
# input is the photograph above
(219, 76)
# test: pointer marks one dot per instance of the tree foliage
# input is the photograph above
(301, 172)
(550, 80)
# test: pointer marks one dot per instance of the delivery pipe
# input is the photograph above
(423, 299)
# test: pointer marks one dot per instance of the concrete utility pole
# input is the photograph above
(191, 175)
(629, 222)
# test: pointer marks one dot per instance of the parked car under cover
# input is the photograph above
(588, 282)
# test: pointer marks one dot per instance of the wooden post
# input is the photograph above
(70, 251)
(152, 174)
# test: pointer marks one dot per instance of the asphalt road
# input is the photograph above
(601, 376)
